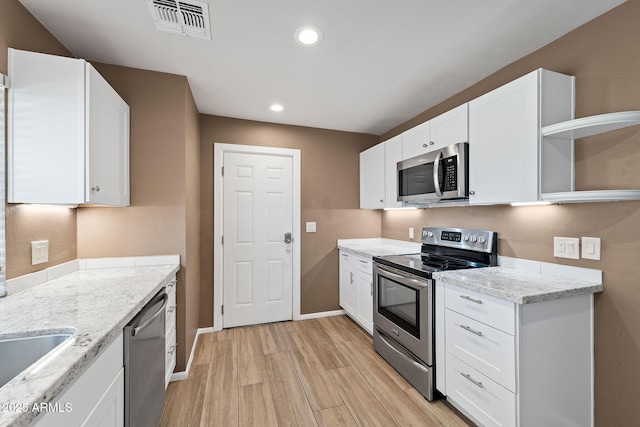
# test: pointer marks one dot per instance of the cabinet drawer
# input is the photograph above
(484, 348)
(347, 259)
(489, 310)
(478, 396)
(170, 357)
(364, 264)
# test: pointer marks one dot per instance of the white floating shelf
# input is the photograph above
(591, 196)
(593, 125)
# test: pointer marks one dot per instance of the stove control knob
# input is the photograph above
(474, 238)
(482, 239)
(429, 233)
(466, 238)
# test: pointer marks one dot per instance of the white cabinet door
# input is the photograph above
(109, 411)
(107, 143)
(372, 178)
(449, 128)
(348, 283)
(415, 141)
(68, 139)
(364, 314)
(392, 155)
(503, 143)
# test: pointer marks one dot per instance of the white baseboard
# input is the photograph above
(321, 314)
(179, 376)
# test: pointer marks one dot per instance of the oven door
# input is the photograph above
(403, 310)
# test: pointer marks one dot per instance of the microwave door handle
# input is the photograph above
(436, 170)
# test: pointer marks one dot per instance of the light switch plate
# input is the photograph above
(39, 252)
(311, 227)
(566, 247)
(591, 248)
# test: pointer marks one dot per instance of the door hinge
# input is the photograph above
(222, 240)
(222, 309)
(222, 170)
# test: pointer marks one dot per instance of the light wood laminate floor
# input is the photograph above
(318, 372)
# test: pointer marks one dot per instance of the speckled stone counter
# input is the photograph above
(97, 303)
(378, 247)
(517, 286)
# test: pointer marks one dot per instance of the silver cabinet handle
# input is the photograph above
(472, 192)
(372, 289)
(173, 307)
(432, 143)
(468, 376)
(345, 255)
(436, 170)
(424, 145)
(473, 331)
(351, 278)
(172, 284)
(363, 261)
(468, 298)
(95, 189)
(172, 349)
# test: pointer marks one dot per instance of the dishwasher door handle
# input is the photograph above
(150, 320)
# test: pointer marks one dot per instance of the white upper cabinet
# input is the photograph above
(68, 133)
(392, 155)
(415, 141)
(372, 178)
(505, 147)
(446, 129)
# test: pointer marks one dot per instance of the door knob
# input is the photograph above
(287, 237)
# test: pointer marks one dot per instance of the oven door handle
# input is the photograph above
(436, 172)
(409, 281)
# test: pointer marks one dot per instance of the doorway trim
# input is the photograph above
(218, 207)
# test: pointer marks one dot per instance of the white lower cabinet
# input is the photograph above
(96, 397)
(356, 288)
(170, 329)
(523, 365)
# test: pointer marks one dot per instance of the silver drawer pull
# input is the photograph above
(363, 261)
(172, 349)
(468, 376)
(173, 307)
(171, 284)
(468, 298)
(473, 331)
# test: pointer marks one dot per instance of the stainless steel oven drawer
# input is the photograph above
(410, 367)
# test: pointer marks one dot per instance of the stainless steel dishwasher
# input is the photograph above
(144, 364)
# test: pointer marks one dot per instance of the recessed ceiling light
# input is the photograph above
(276, 107)
(308, 36)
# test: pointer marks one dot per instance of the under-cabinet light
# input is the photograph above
(530, 203)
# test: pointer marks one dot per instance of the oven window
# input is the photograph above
(416, 180)
(400, 304)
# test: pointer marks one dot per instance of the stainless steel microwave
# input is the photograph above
(441, 174)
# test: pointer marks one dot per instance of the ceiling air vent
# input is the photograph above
(188, 18)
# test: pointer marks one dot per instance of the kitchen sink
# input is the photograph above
(17, 353)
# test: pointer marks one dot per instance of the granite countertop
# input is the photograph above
(518, 286)
(97, 303)
(378, 247)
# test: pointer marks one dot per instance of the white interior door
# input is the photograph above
(257, 259)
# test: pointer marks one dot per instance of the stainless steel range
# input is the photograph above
(404, 298)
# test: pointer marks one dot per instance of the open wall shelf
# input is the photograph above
(581, 128)
(593, 125)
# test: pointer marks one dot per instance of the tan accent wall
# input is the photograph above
(163, 216)
(604, 57)
(20, 30)
(330, 197)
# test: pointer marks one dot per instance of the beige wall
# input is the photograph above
(330, 197)
(20, 30)
(604, 57)
(162, 218)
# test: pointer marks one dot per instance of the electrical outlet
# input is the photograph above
(311, 227)
(411, 233)
(39, 252)
(566, 247)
